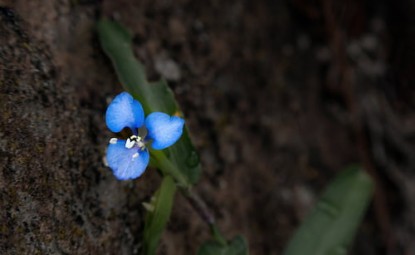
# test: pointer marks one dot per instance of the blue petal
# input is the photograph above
(124, 111)
(165, 130)
(123, 162)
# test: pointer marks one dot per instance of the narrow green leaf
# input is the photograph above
(154, 96)
(330, 228)
(237, 246)
(156, 220)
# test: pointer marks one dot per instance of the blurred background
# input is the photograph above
(279, 97)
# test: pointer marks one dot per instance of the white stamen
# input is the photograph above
(104, 160)
(140, 144)
(134, 141)
(129, 143)
(113, 140)
(149, 207)
(135, 155)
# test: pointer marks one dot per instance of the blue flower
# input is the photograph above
(129, 158)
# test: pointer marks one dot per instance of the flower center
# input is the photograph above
(135, 140)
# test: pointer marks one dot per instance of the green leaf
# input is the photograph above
(237, 246)
(330, 228)
(156, 219)
(182, 154)
(154, 96)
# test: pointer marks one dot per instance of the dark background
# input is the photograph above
(279, 97)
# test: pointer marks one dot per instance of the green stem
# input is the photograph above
(165, 165)
(201, 208)
(167, 168)
(217, 235)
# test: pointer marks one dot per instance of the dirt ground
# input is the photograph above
(279, 96)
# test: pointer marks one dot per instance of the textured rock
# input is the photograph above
(259, 82)
(56, 197)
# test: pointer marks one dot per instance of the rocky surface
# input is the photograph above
(279, 97)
